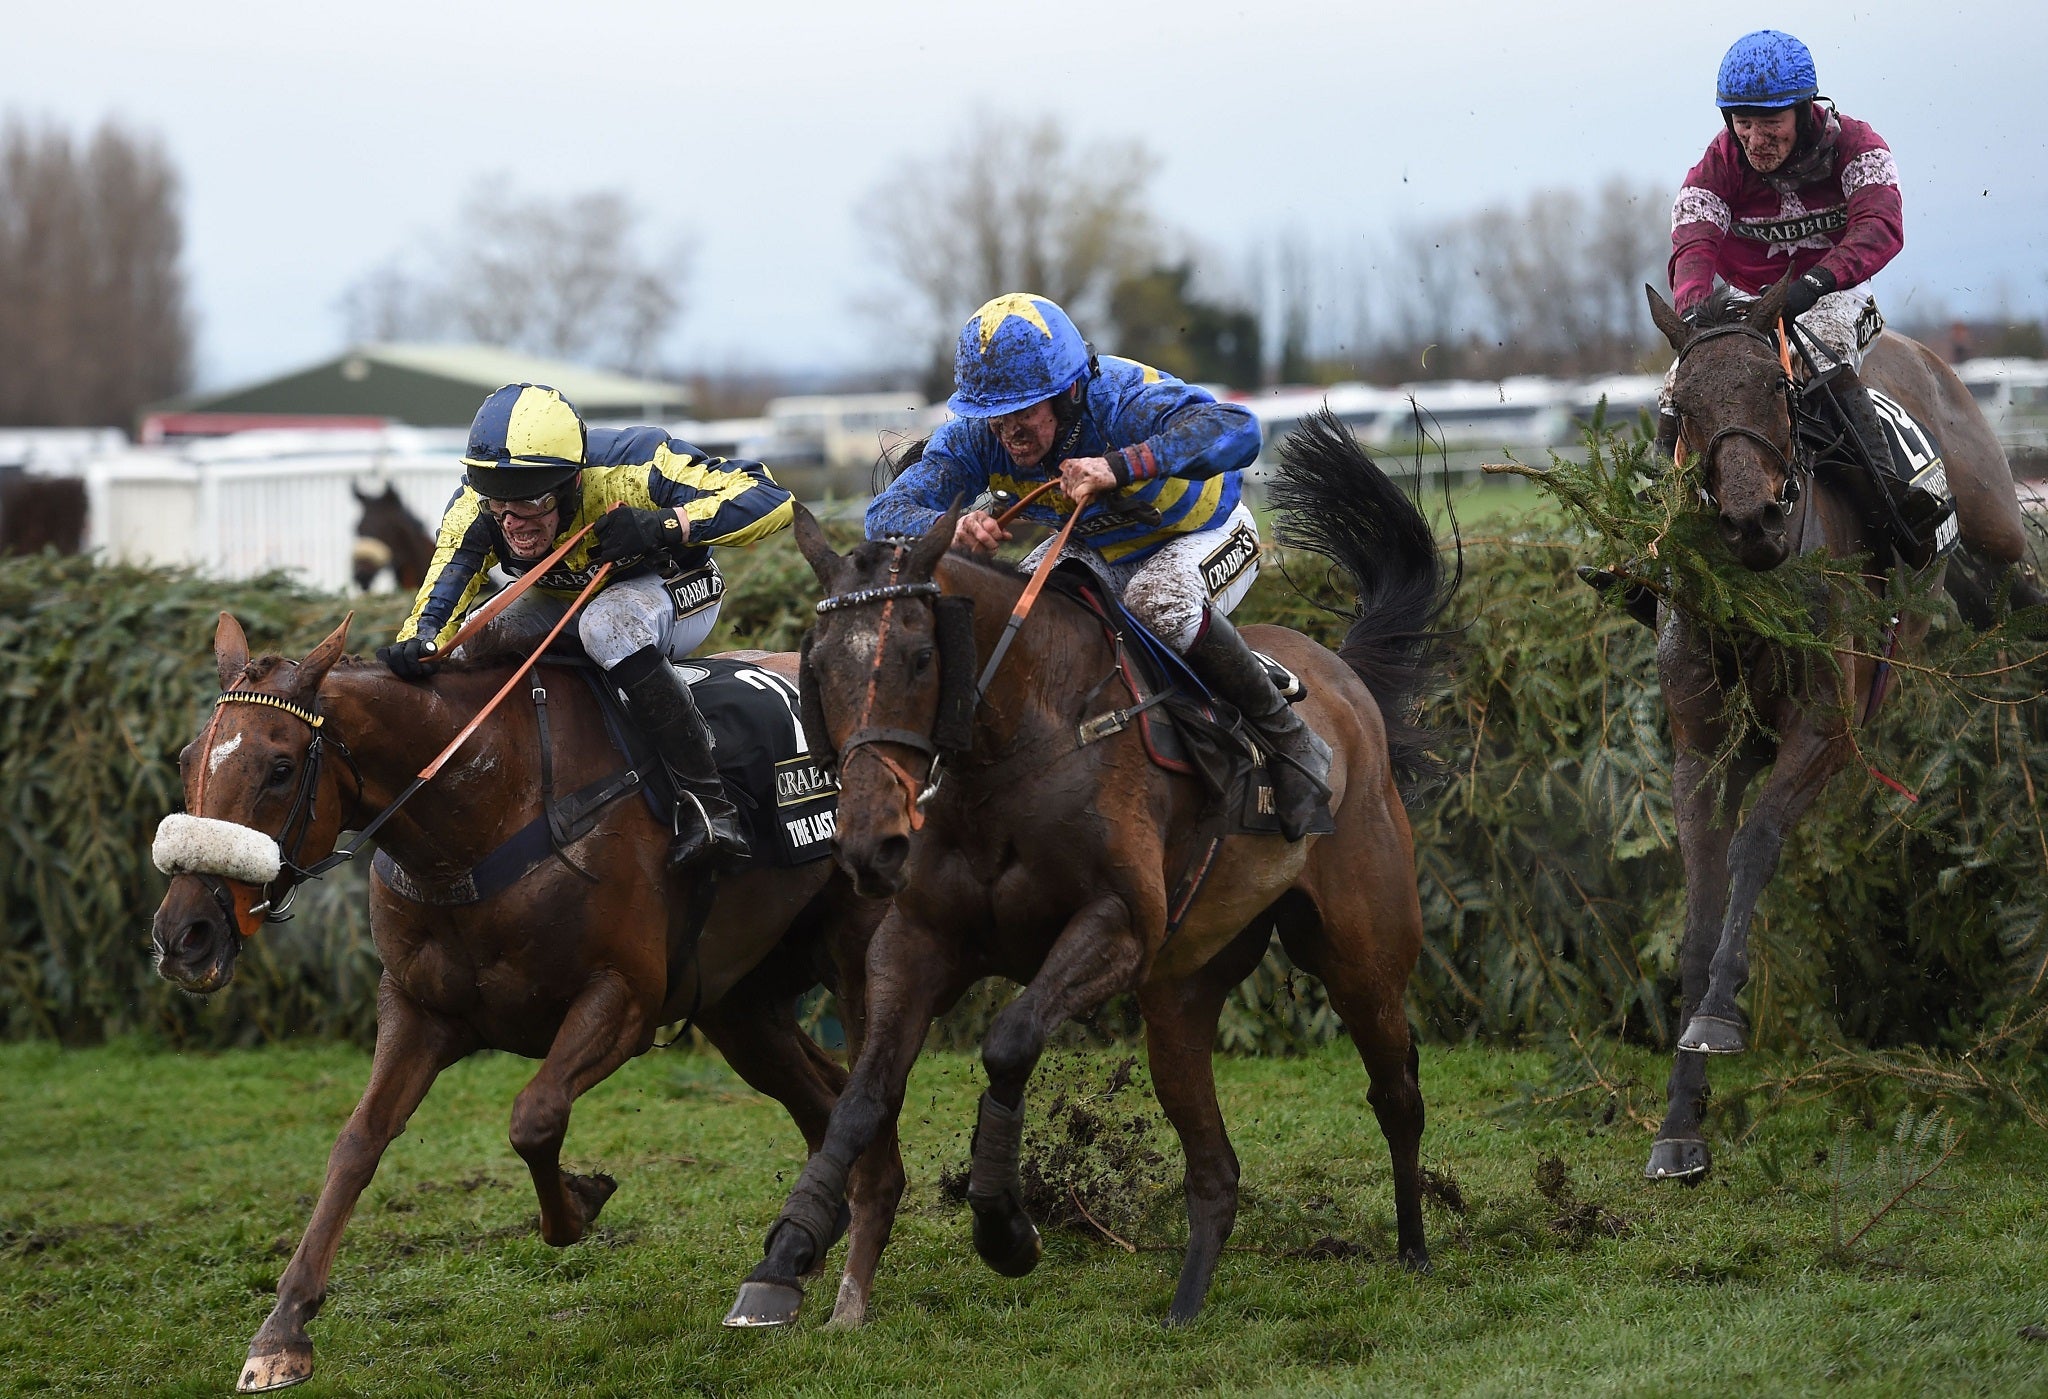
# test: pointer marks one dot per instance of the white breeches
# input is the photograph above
(1170, 590)
(625, 616)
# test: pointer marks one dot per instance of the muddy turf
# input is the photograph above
(148, 1201)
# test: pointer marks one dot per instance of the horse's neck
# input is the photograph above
(393, 729)
(1057, 657)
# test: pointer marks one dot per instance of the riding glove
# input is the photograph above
(407, 659)
(1807, 290)
(627, 533)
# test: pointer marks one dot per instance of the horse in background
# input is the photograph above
(1734, 398)
(41, 512)
(388, 535)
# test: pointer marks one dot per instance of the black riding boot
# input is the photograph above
(1300, 763)
(661, 704)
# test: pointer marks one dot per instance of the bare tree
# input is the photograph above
(1010, 208)
(561, 277)
(93, 319)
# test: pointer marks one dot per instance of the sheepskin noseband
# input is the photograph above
(202, 845)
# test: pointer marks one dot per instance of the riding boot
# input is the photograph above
(1666, 448)
(1882, 497)
(661, 705)
(1300, 760)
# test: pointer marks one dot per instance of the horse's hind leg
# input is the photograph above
(605, 1027)
(412, 1049)
(1361, 935)
(1095, 956)
(1180, 1038)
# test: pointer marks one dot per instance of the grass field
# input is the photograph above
(147, 1202)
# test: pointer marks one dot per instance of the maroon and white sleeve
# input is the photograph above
(1877, 227)
(1700, 217)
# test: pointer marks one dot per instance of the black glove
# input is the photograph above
(1807, 290)
(627, 533)
(407, 659)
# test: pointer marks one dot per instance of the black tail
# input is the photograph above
(1335, 502)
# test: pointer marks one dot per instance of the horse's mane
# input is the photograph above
(1725, 307)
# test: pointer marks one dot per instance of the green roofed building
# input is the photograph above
(435, 386)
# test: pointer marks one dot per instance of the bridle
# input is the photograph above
(867, 734)
(1796, 466)
(298, 821)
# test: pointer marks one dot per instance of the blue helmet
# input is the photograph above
(1766, 69)
(1017, 350)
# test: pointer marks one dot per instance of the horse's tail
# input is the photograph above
(1334, 501)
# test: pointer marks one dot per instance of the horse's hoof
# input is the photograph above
(1678, 1158)
(766, 1304)
(1711, 1034)
(280, 1369)
(1007, 1241)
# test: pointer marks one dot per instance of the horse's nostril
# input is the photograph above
(194, 938)
(891, 853)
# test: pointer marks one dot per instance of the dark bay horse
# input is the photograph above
(388, 535)
(576, 970)
(1050, 863)
(1736, 430)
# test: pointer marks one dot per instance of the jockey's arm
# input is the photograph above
(462, 555)
(1700, 219)
(1176, 429)
(718, 501)
(950, 469)
(1877, 226)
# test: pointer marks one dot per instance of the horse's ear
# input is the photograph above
(357, 492)
(926, 553)
(1667, 319)
(1770, 307)
(811, 542)
(390, 495)
(312, 670)
(230, 650)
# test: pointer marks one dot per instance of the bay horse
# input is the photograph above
(388, 535)
(576, 969)
(1047, 861)
(1733, 398)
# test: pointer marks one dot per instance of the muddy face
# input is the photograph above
(1027, 434)
(1766, 137)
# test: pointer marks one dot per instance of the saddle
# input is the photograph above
(786, 799)
(1905, 492)
(1185, 729)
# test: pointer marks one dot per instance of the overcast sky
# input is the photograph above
(317, 140)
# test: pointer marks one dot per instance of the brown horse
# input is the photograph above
(1049, 862)
(1734, 406)
(574, 969)
(388, 535)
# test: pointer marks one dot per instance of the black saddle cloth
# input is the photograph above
(786, 799)
(1908, 489)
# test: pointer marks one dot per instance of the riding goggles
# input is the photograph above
(531, 509)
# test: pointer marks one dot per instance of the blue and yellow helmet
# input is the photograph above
(525, 441)
(1768, 68)
(1018, 350)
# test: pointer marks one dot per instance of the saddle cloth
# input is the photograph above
(786, 799)
(1912, 474)
(1185, 729)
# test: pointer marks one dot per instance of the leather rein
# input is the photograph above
(1796, 466)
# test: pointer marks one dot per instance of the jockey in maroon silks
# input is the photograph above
(1790, 182)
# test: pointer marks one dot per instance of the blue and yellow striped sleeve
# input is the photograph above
(462, 554)
(955, 465)
(1176, 429)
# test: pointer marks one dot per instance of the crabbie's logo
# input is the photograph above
(799, 780)
(1230, 559)
(696, 590)
(1796, 228)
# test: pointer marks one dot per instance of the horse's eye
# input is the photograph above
(922, 661)
(280, 770)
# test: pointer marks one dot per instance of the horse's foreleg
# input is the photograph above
(1706, 812)
(1095, 956)
(412, 1049)
(909, 971)
(605, 1027)
(877, 1180)
(1807, 759)
(1180, 1038)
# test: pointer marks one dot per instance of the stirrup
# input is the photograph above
(707, 838)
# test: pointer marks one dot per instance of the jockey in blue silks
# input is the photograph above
(1160, 460)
